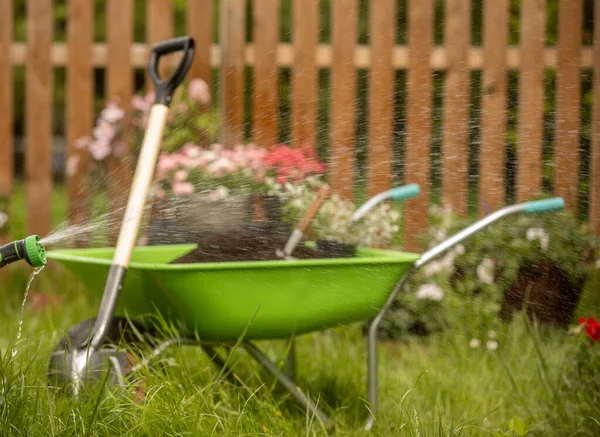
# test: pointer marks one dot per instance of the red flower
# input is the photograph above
(592, 327)
(293, 164)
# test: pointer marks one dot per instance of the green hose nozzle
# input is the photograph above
(30, 249)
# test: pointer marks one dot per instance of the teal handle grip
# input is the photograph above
(554, 204)
(405, 192)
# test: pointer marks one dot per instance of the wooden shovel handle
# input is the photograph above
(314, 208)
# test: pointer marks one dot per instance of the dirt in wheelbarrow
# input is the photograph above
(244, 246)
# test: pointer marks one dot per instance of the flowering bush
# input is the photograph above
(190, 119)
(214, 170)
(478, 276)
(292, 165)
(333, 221)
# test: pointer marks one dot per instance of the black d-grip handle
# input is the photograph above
(164, 89)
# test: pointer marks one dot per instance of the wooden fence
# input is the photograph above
(305, 55)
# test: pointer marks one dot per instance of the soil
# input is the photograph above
(249, 245)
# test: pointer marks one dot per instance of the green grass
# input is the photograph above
(433, 387)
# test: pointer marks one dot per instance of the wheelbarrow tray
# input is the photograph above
(269, 299)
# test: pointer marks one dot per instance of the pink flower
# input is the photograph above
(166, 163)
(112, 113)
(191, 150)
(180, 175)
(82, 143)
(182, 188)
(99, 150)
(72, 165)
(140, 104)
(199, 92)
(104, 131)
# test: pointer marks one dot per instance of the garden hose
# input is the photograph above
(30, 249)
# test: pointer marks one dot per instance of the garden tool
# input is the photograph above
(29, 249)
(76, 363)
(298, 232)
(398, 193)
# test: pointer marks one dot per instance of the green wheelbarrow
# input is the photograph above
(227, 303)
(221, 303)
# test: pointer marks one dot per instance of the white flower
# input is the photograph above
(539, 234)
(460, 249)
(431, 292)
(485, 271)
(433, 268)
(440, 235)
(492, 335)
(474, 343)
(532, 233)
(492, 345)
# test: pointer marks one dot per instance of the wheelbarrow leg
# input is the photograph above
(372, 384)
(286, 382)
(290, 361)
(218, 361)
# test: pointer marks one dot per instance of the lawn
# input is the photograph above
(434, 386)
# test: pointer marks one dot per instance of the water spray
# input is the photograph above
(29, 249)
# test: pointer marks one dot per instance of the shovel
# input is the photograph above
(298, 232)
(144, 173)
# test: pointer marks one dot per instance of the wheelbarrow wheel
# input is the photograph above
(118, 362)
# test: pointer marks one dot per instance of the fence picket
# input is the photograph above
(381, 89)
(456, 106)
(233, 31)
(80, 105)
(568, 99)
(304, 72)
(6, 114)
(418, 118)
(265, 103)
(343, 97)
(200, 27)
(159, 27)
(531, 99)
(38, 117)
(493, 128)
(119, 87)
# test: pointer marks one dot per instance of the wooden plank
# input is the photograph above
(456, 106)
(381, 91)
(595, 168)
(119, 88)
(80, 105)
(343, 97)
(304, 73)
(324, 57)
(159, 27)
(38, 117)
(493, 124)
(200, 27)
(233, 31)
(568, 100)
(265, 101)
(531, 100)
(6, 114)
(418, 119)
